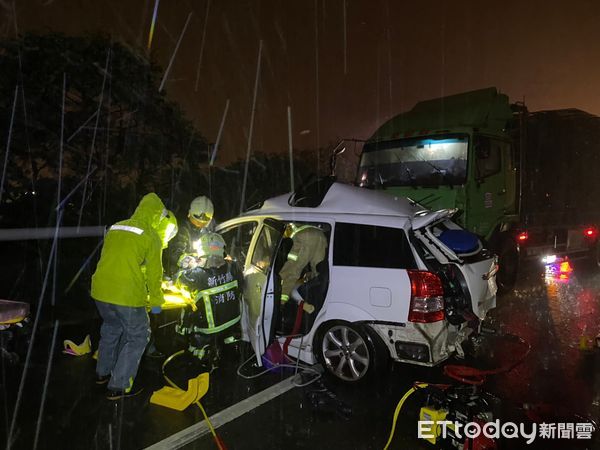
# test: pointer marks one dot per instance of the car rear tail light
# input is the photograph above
(427, 297)
(522, 237)
(591, 233)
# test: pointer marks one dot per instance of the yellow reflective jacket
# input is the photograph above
(132, 247)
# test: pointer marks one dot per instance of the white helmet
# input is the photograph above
(210, 244)
(201, 211)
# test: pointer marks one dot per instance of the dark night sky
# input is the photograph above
(398, 52)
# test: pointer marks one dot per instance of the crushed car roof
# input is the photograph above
(344, 199)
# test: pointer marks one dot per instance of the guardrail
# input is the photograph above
(28, 234)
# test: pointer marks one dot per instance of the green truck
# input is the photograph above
(526, 182)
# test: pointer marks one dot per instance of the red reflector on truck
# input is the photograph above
(427, 297)
(591, 233)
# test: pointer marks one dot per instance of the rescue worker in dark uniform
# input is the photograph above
(215, 283)
(182, 252)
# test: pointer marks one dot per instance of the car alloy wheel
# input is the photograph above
(345, 353)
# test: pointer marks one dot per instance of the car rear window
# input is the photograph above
(371, 246)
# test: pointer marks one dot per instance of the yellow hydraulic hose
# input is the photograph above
(208, 422)
(399, 407)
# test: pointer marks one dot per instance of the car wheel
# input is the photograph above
(349, 352)
(508, 259)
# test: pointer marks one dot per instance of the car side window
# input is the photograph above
(237, 240)
(265, 246)
(371, 246)
(488, 156)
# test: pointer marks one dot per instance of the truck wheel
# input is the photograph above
(349, 352)
(508, 259)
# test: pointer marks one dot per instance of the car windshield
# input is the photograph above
(428, 161)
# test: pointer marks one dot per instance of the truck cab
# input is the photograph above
(454, 152)
(447, 170)
(523, 181)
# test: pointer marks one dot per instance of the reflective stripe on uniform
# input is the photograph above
(292, 257)
(179, 329)
(284, 298)
(229, 340)
(208, 310)
(302, 228)
(183, 331)
(131, 229)
(128, 388)
(206, 293)
(214, 329)
(218, 289)
(198, 352)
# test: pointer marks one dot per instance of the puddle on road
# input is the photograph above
(554, 312)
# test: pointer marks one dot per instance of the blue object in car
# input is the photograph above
(460, 241)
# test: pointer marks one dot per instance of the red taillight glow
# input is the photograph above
(523, 236)
(591, 233)
(427, 297)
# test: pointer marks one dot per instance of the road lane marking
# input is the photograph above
(223, 417)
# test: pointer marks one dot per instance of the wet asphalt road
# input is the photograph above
(557, 382)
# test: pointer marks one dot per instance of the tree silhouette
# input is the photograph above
(115, 122)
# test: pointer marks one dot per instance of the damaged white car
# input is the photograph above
(398, 281)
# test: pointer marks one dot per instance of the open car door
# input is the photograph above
(262, 288)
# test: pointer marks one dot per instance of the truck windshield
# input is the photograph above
(428, 161)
